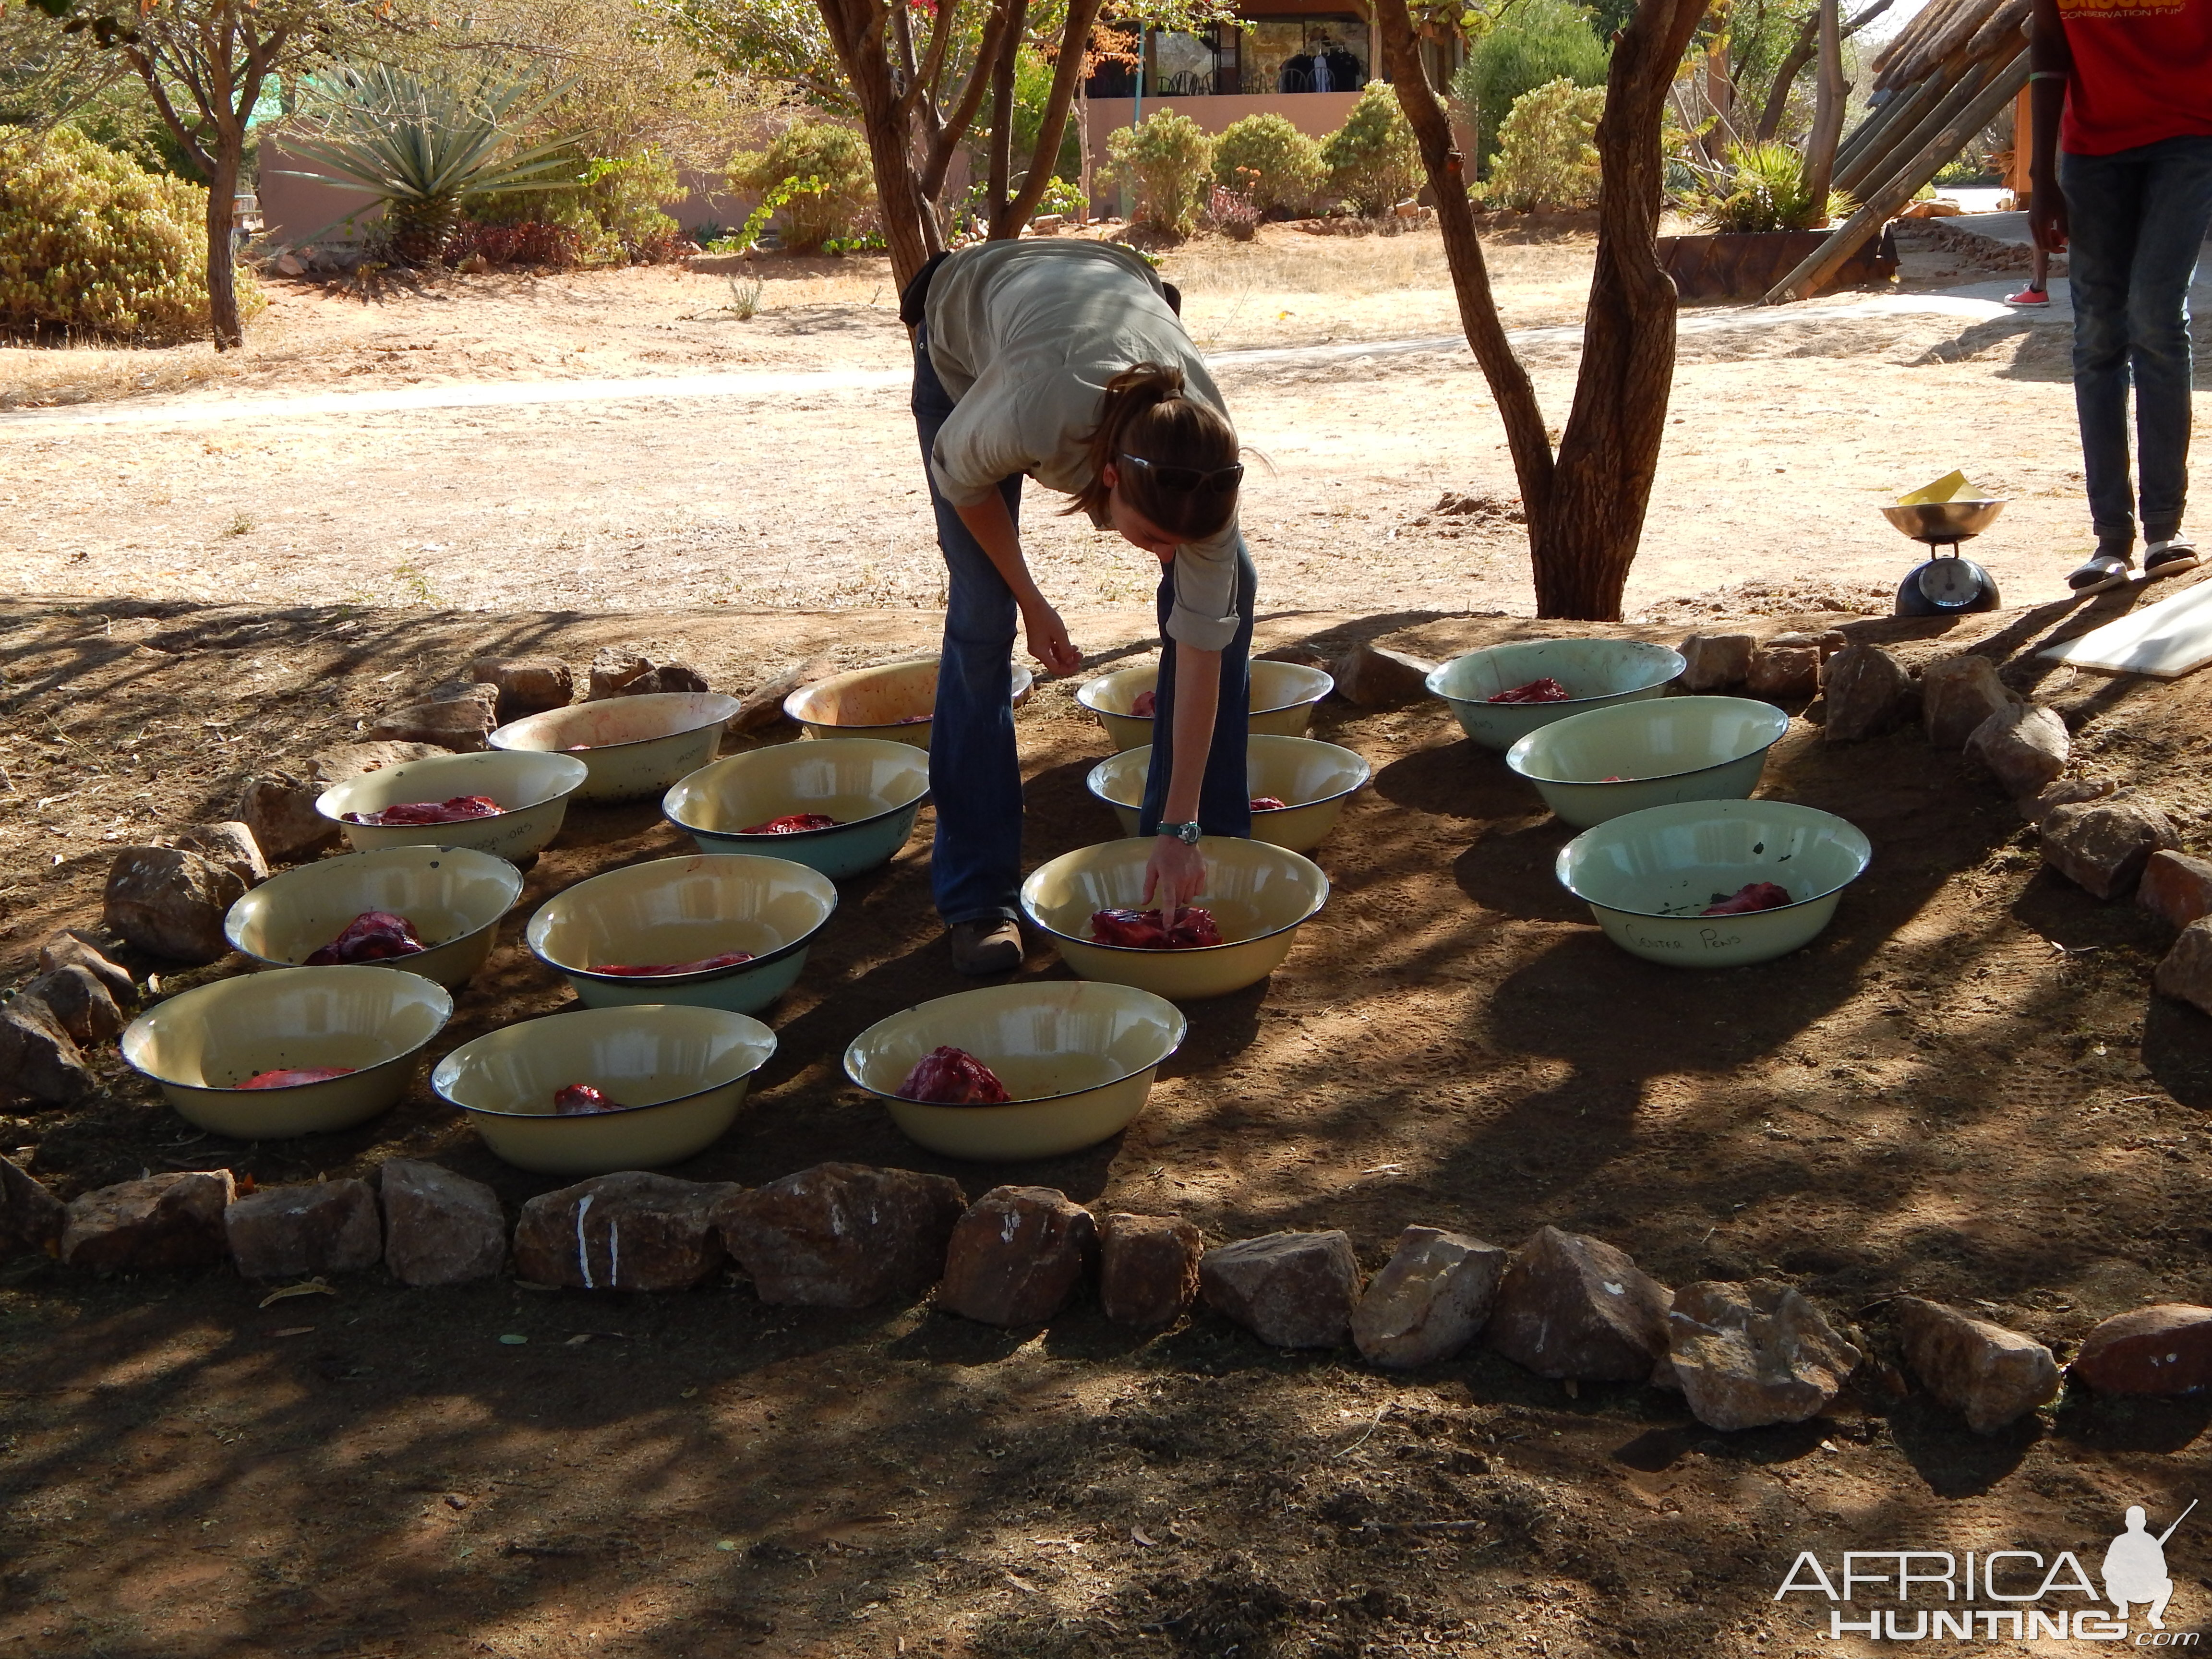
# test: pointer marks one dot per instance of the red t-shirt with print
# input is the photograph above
(2143, 72)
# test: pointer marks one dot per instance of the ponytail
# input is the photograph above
(1146, 413)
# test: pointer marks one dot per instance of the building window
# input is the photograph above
(1305, 54)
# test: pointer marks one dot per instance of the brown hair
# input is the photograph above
(1146, 413)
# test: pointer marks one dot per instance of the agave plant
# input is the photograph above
(419, 146)
(1763, 188)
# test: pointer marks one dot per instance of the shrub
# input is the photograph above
(1545, 156)
(1764, 191)
(1373, 162)
(1166, 157)
(1540, 40)
(1233, 212)
(835, 158)
(1268, 159)
(90, 241)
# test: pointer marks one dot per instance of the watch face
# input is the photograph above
(1951, 583)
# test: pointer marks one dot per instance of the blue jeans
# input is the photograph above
(2136, 221)
(975, 771)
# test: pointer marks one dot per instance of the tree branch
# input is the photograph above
(955, 126)
(1068, 74)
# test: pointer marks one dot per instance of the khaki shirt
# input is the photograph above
(1024, 336)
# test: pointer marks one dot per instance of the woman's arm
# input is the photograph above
(2050, 60)
(992, 527)
(1175, 874)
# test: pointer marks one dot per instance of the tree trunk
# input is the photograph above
(857, 33)
(1827, 111)
(1785, 76)
(1068, 75)
(221, 266)
(1000, 187)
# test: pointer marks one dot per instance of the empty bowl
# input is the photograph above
(894, 701)
(1593, 672)
(1259, 895)
(680, 1073)
(874, 787)
(1646, 876)
(1282, 697)
(454, 898)
(630, 746)
(1313, 779)
(679, 910)
(202, 1043)
(533, 789)
(1589, 768)
(1078, 1061)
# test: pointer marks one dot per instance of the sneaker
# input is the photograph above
(2169, 558)
(2103, 570)
(982, 949)
(2029, 296)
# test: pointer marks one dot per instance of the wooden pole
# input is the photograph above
(1877, 162)
(1884, 201)
(1827, 110)
(1885, 121)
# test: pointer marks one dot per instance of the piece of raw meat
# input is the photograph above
(460, 810)
(295, 1078)
(1146, 705)
(1544, 690)
(577, 1098)
(1147, 930)
(1758, 895)
(791, 823)
(727, 959)
(1267, 804)
(372, 936)
(952, 1077)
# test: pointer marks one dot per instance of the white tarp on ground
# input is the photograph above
(2166, 640)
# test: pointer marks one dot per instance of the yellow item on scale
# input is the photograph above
(1949, 487)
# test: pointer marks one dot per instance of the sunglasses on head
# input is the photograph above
(1188, 480)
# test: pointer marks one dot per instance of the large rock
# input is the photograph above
(763, 706)
(668, 677)
(39, 1056)
(612, 669)
(2103, 845)
(1147, 1268)
(80, 1003)
(328, 767)
(2024, 744)
(2165, 1349)
(458, 716)
(1574, 1307)
(2066, 792)
(1376, 676)
(1291, 1289)
(526, 685)
(1430, 1300)
(1987, 1374)
(231, 844)
(2175, 888)
(1713, 662)
(278, 805)
(323, 1226)
(631, 1231)
(2186, 972)
(1868, 692)
(1017, 1256)
(440, 1228)
(1957, 694)
(31, 1218)
(1784, 671)
(70, 949)
(1746, 1355)
(842, 1235)
(142, 1226)
(170, 903)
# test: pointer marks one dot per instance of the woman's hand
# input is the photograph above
(1049, 642)
(1175, 876)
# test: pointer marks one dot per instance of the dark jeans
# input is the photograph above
(2135, 222)
(975, 772)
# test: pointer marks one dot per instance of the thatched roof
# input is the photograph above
(1950, 34)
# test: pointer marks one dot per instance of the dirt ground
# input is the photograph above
(1965, 1090)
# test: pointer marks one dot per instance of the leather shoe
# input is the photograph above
(981, 949)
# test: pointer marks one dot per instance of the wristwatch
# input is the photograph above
(1187, 834)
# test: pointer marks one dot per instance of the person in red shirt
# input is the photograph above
(2121, 182)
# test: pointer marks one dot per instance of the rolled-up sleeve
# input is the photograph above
(1205, 616)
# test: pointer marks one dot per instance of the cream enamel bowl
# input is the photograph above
(893, 700)
(681, 1074)
(454, 898)
(202, 1043)
(676, 910)
(1593, 672)
(1589, 768)
(1078, 1061)
(1282, 696)
(631, 747)
(1313, 779)
(1259, 895)
(872, 786)
(533, 789)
